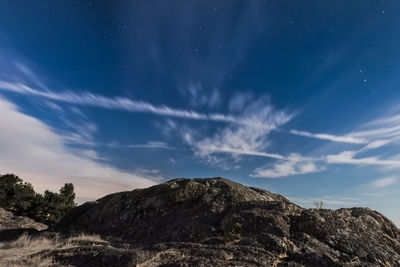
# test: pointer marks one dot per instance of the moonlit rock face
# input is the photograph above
(200, 215)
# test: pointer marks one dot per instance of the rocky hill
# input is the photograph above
(190, 222)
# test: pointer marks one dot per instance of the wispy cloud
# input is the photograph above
(198, 96)
(245, 133)
(80, 139)
(236, 140)
(150, 145)
(348, 157)
(384, 182)
(123, 103)
(38, 154)
(287, 166)
(239, 101)
(384, 129)
(89, 99)
(372, 135)
(379, 132)
(292, 165)
(207, 149)
(330, 137)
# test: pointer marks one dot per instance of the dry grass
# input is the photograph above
(86, 237)
(24, 251)
(35, 260)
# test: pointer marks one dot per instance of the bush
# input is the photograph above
(233, 233)
(21, 199)
(318, 204)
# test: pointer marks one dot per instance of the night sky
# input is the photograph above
(297, 97)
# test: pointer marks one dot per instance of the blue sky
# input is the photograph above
(300, 98)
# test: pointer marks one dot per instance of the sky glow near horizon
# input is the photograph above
(301, 99)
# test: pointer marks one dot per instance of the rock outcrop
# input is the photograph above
(219, 222)
(12, 226)
(9, 221)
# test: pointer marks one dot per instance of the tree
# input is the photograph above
(56, 205)
(16, 195)
(68, 195)
(20, 198)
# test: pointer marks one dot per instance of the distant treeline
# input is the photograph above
(20, 198)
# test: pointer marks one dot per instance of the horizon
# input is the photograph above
(300, 99)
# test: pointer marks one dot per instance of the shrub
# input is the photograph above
(318, 204)
(233, 233)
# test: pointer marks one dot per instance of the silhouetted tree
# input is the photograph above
(16, 195)
(20, 198)
(56, 205)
